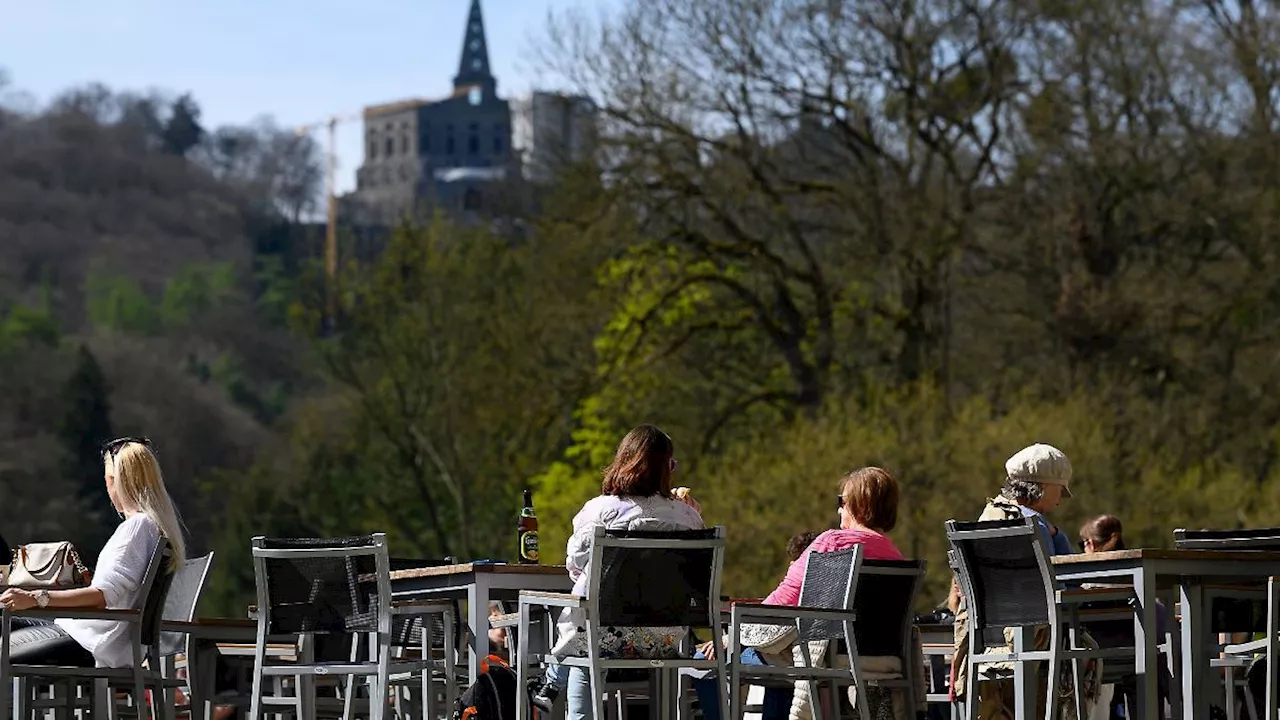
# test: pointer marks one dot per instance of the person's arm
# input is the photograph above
(88, 597)
(577, 553)
(119, 574)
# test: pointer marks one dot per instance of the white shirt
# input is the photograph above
(614, 512)
(122, 566)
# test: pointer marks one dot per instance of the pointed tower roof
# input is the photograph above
(473, 66)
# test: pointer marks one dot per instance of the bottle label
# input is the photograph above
(529, 545)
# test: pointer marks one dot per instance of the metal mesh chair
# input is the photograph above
(180, 607)
(825, 612)
(143, 620)
(313, 587)
(1007, 581)
(638, 579)
(1243, 610)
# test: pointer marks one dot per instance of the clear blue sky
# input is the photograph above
(297, 60)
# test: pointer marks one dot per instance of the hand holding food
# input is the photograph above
(683, 495)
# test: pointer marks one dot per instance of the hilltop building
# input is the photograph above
(456, 153)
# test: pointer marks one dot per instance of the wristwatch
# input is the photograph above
(42, 598)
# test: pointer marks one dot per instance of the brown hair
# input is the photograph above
(642, 465)
(1105, 532)
(799, 543)
(871, 496)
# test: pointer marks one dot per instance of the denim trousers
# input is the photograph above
(777, 701)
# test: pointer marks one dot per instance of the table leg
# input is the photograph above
(1273, 648)
(1195, 702)
(478, 617)
(1147, 657)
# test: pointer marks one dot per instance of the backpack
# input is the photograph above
(493, 694)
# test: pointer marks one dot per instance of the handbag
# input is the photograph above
(52, 566)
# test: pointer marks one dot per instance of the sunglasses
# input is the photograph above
(111, 447)
(839, 502)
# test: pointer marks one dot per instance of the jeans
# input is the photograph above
(777, 701)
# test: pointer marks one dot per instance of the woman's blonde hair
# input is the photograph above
(140, 484)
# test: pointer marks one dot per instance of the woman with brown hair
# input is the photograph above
(1103, 533)
(868, 508)
(635, 494)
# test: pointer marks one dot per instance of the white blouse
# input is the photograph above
(122, 566)
(613, 513)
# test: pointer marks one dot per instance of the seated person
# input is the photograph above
(635, 495)
(1037, 478)
(138, 494)
(869, 510)
(1104, 533)
(799, 543)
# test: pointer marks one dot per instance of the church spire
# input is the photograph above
(473, 66)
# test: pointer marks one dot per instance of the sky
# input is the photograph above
(299, 61)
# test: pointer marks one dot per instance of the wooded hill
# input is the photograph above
(920, 235)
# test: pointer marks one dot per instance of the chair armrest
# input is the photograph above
(80, 614)
(420, 607)
(199, 623)
(758, 612)
(505, 620)
(550, 599)
(1084, 595)
(1248, 648)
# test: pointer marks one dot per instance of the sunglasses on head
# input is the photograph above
(111, 447)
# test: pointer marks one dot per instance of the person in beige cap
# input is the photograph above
(1036, 479)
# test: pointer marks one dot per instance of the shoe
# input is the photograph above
(542, 695)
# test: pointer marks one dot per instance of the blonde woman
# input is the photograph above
(138, 494)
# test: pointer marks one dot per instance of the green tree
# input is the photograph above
(182, 130)
(85, 425)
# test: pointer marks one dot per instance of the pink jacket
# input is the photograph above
(874, 547)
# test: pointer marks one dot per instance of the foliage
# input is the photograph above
(86, 424)
(182, 130)
(921, 235)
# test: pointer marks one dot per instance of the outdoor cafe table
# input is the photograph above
(1187, 572)
(478, 583)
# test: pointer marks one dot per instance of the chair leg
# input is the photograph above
(1251, 708)
(426, 709)
(450, 665)
(596, 683)
(259, 662)
(521, 658)
(1229, 684)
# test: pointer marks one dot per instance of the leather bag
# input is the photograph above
(52, 566)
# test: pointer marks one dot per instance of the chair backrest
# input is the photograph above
(651, 578)
(830, 580)
(885, 601)
(1258, 539)
(322, 585)
(157, 581)
(1003, 568)
(184, 596)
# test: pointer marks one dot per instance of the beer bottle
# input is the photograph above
(527, 531)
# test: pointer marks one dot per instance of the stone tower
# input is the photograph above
(473, 65)
(445, 153)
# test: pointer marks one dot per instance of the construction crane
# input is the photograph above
(331, 198)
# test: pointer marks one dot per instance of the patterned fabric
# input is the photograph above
(619, 513)
(631, 643)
